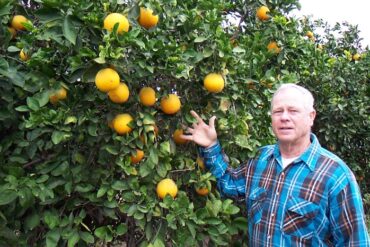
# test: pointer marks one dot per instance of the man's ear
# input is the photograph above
(312, 116)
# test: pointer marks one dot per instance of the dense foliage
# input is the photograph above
(66, 175)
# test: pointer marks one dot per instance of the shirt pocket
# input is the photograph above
(299, 219)
(256, 201)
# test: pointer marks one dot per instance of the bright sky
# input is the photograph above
(356, 12)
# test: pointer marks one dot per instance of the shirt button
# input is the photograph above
(269, 236)
(272, 215)
(277, 193)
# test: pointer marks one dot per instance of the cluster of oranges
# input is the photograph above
(17, 24)
(107, 80)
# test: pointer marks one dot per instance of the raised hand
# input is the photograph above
(202, 134)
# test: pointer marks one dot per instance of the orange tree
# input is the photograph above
(84, 147)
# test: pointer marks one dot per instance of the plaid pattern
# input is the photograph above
(315, 201)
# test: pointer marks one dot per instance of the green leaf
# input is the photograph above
(6, 8)
(33, 104)
(73, 239)
(200, 39)
(7, 196)
(121, 229)
(69, 30)
(51, 219)
(101, 232)
(101, 192)
(238, 50)
(158, 243)
(13, 49)
(59, 136)
(52, 238)
(42, 98)
(22, 108)
(87, 237)
(119, 185)
(32, 221)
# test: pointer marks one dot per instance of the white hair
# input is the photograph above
(307, 97)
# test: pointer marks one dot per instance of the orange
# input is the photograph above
(273, 47)
(177, 137)
(309, 34)
(202, 191)
(356, 57)
(166, 187)
(60, 94)
(200, 163)
(107, 79)
(12, 31)
(112, 19)
(121, 123)
(17, 22)
(147, 19)
(23, 56)
(137, 157)
(170, 104)
(120, 94)
(262, 13)
(147, 96)
(214, 82)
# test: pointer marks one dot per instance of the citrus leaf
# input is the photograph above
(52, 238)
(87, 237)
(69, 31)
(7, 196)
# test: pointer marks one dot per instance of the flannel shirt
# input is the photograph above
(314, 201)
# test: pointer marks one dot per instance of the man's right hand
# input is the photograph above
(202, 134)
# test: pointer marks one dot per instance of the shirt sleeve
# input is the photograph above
(347, 216)
(230, 182)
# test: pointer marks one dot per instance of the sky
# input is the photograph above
(356, 12)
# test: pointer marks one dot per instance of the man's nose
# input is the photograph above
(284, 115)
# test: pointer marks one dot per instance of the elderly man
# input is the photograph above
(297, 193)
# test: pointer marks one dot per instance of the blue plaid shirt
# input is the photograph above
(314, 201)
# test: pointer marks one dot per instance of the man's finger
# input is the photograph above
(187, 137)
(212, 122)
(190, 130)
(194, 114)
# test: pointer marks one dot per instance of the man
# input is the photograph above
(297, 193)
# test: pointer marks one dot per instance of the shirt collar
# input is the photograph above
(309, 157)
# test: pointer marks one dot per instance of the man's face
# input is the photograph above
(291, 120)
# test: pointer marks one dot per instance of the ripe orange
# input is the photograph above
(17, 22)
(356, 57)
(166, 186)
(147, 19)
(262, 13)
(137, 157)
(170, 104)
(147, 96)
(202, 191)
(60, 94)
(309, 34)
(177, 137)
(23, 56)
(214, 82)
(120, 94)
(12, 31)
(273, 47)
(112, 19)
(107, 79)
(121, 123)
(200, 163)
